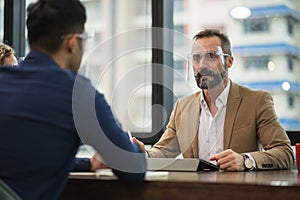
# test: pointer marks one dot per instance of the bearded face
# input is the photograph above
(210, 68)
(209, 79)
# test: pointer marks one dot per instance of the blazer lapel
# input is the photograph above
(233, 103)
(188, 127)
(195, 109)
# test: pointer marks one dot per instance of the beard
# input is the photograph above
(203, 76)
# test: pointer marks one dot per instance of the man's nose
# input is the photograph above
(203, 63)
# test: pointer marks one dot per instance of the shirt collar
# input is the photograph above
(40, 60)
(221, 99)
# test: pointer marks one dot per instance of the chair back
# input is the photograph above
(7, 193)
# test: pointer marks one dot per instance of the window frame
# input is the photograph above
(14, 25)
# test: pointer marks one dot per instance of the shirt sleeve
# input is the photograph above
(122, 142)
(82, 165)
(97, 126)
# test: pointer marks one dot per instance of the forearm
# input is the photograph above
(82, 165)
(279, 157)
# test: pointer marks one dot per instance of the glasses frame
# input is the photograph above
(83, 36)
(208, 55)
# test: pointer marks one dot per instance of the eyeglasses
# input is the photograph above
(211, 56)
(84, 36)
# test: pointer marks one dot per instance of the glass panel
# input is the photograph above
(1, 20)
(118, 58)
(266, 47)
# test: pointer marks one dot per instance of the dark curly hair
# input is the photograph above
(5, 52)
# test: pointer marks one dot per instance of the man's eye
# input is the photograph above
(212, 55)
(196, 58)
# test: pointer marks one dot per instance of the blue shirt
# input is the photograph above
(39, 138)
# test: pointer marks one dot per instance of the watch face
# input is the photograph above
(248, 163)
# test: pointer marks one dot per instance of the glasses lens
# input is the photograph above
(196, 58)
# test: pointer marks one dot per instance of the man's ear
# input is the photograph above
(230, 61)
(71, 42)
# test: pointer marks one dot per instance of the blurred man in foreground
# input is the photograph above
(39, 136)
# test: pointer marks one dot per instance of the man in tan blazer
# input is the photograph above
(231, 125)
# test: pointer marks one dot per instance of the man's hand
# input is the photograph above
(97, 163)
(140, 144)
(229, 160)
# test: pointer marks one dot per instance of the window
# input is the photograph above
(290, 61)
(179, 70)
(178, 41)
(291, 100)
(256, 63)
(256, 25)
(178, 6)
(143, 8)
(290, 25)
(120, 62)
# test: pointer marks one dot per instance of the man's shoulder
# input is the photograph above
(247, 89)
(189, 101)
(191, 97)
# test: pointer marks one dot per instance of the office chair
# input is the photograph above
(7, 193)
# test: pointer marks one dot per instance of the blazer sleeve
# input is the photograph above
(168, 146)
(97, 126)
(277, 153)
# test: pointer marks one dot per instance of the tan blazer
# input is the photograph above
(251, 126)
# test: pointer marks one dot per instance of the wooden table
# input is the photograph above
(267, 185)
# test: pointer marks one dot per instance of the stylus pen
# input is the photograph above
(129, 135)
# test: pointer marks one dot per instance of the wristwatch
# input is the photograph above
(248, 163)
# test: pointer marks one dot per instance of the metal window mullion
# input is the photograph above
(14, 25)
(162, 82)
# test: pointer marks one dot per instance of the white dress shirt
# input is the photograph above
(211, 128)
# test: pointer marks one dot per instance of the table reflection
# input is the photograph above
(274, 177)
